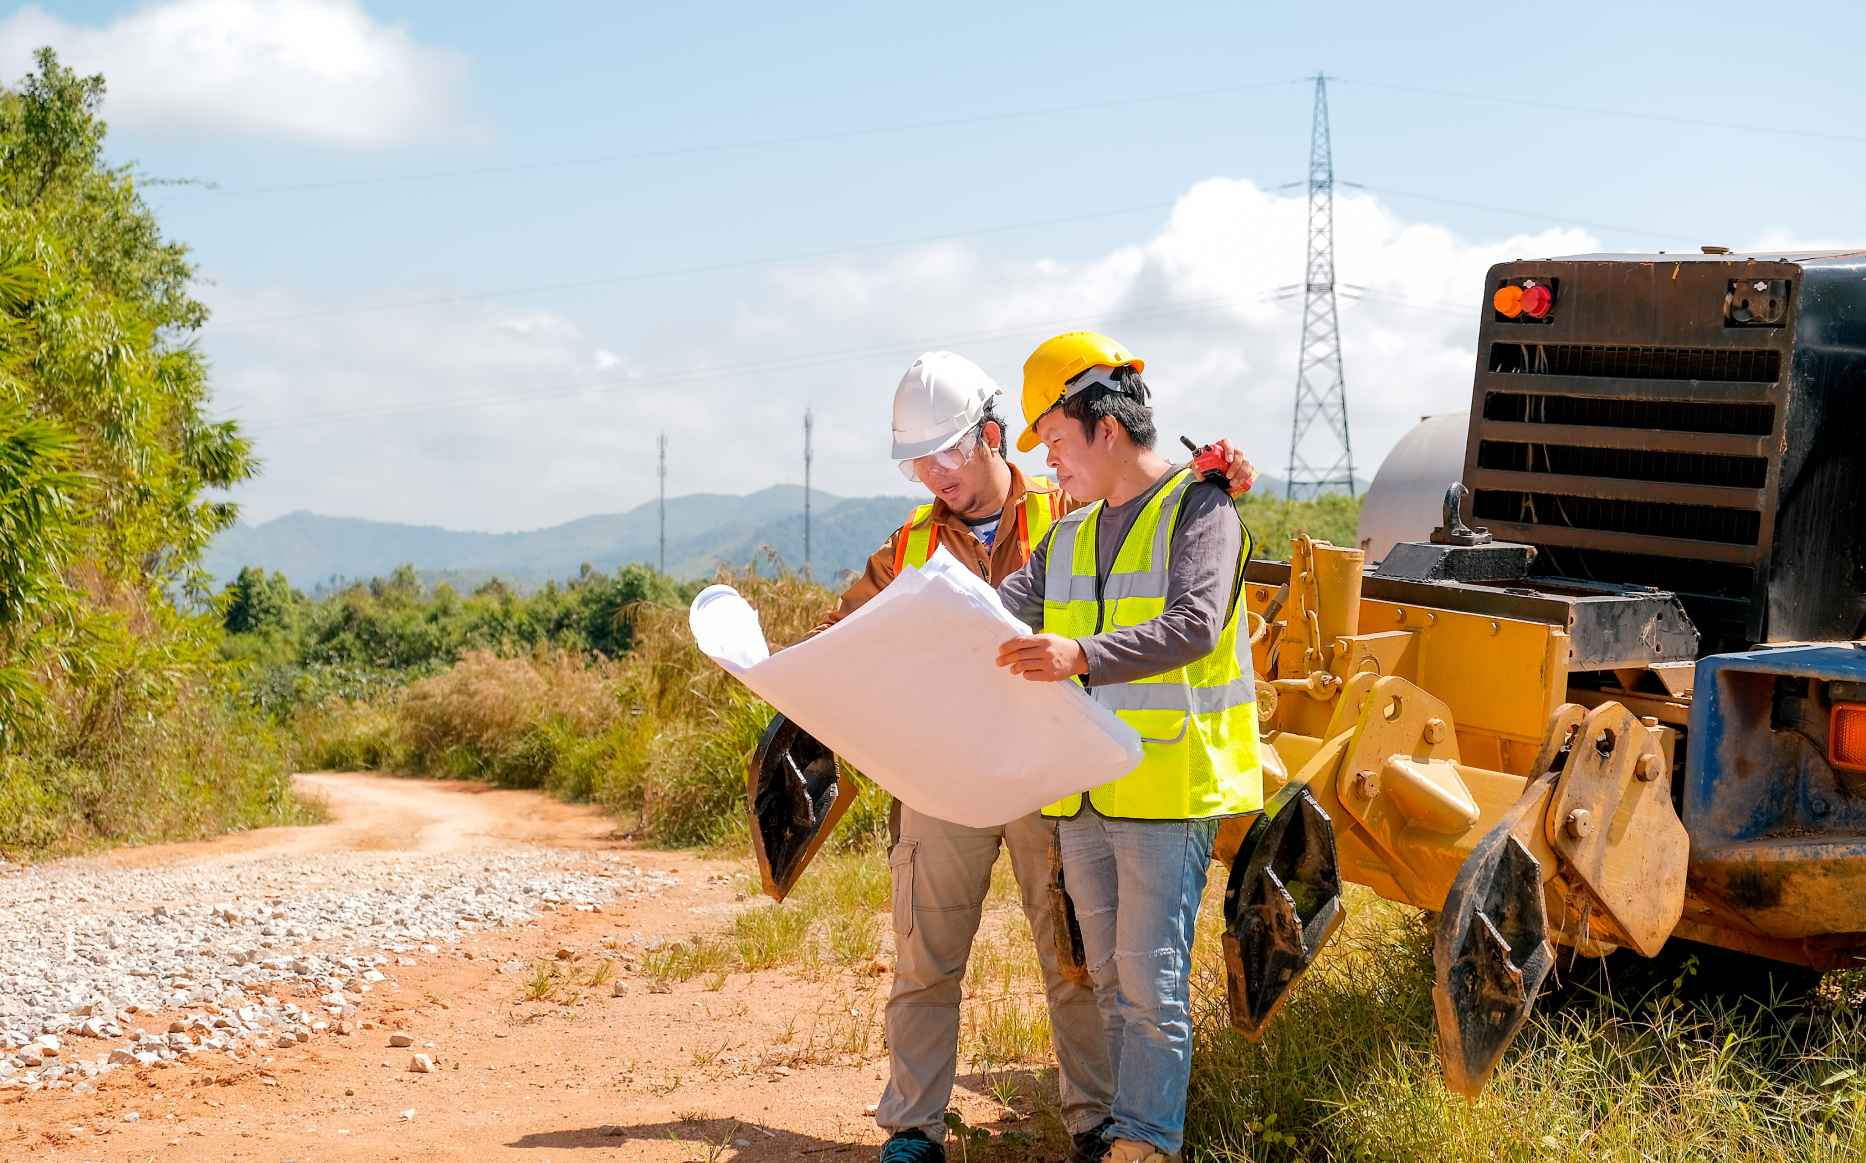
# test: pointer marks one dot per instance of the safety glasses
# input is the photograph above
(1099, 376)
(945, 461)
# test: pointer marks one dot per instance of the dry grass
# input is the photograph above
(833, 922)
(661, 734)
(489, 702)
(1005, 1020)
(198, 767)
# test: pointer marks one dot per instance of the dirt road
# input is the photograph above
(538, 1053)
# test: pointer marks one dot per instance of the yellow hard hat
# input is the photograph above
(1057, 361)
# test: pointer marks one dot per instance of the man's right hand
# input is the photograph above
(1044, 657)
(1239, 471)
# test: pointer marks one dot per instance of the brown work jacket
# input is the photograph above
(1007, 556)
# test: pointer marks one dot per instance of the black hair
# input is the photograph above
(990, 416)
(1128, 406)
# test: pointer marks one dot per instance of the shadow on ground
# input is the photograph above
(1030, 1134)
(761, 1143)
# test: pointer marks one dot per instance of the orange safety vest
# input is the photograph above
(919, 537)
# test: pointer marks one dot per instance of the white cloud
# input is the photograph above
(1199, 301)
(320, 70)
(545, 422)
(473, 417)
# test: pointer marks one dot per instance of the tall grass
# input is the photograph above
(661, 734)
(832, 920)
(203, 767)
(1350, 1070)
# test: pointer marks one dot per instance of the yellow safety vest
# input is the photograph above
(919, 537)
(1197, 723)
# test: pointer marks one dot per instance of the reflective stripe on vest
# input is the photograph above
(1198, 723)
(919, 537)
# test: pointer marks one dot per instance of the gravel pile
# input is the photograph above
(90, 954)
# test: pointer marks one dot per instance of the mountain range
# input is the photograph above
(704, 530)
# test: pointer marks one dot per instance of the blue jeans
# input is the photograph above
(1136, 887)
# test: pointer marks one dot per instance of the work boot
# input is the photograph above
(1092, 1144)
(1132, 1151)
(911, 1147)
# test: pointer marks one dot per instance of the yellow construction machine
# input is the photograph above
(1629, 708)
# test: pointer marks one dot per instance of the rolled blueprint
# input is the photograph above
(907, 690)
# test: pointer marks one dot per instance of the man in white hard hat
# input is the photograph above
(949, 437)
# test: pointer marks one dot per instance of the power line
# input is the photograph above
(238, 323)
(810, 360)
(243, 323)
(762, 366)
(1600, 111)
(1541, 215)
(951, 122)
(960, 121)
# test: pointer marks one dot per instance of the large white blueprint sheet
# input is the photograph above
(907, 690)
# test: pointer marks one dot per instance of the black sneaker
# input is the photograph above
(1092, 1144)
(911, 1147)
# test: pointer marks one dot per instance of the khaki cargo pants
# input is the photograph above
(941, 872)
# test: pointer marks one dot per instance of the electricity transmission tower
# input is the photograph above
(809, 424)
(663, 502)
(1321, 391)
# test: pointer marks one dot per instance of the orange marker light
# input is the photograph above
(1537, 300)
(1846, 737)
(1508, 300)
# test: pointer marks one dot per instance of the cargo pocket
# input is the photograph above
(901, 868)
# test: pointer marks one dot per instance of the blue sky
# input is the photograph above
(465, 261)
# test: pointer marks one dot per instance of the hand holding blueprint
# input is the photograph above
(907, 691)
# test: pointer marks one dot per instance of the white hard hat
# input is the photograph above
(940, 399)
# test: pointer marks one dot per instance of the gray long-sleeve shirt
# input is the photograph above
(1201, 580)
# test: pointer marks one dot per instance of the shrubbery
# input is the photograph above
(115, 720)
(659, 734)
(1273, 522)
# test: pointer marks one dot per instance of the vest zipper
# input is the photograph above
(1101, 606)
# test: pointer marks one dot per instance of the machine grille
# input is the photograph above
(1622, 362)
(1633, 464)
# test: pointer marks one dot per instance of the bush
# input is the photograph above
(1333, 517)
(203, 768)
(694, 782)
(505, 719)
(348, 736)
(661, 733)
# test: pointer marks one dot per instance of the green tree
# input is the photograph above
(109, 459)
(258, 603)
(106, 335)
(37, 530)
(608, 605)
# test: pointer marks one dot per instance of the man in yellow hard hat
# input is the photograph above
(1140, 597)
(949, 437)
